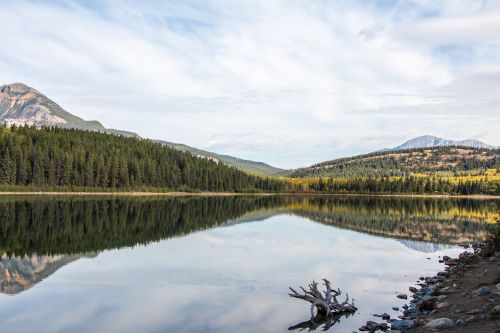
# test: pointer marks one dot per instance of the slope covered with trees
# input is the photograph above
(454, 160)
(55, 157)
(23, 105)
(252, 167)
(74, 160)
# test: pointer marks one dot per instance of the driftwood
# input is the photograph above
(326, 304)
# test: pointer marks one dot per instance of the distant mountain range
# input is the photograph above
(20, 105)
(253, 167)
(428, 141)
(23, 105)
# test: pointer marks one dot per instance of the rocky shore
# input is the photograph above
(465, 297)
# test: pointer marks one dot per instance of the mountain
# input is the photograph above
(425, 154)
(241, 164)
(23, 105)
(428, 141)
(405, 162)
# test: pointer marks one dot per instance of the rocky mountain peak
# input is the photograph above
(15, 89)
(428, 141)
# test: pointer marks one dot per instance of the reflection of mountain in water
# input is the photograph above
(18, 274)
(426, 247)
(55, 228)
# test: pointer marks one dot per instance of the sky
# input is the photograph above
(286, 82)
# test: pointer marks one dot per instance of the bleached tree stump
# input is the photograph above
(326, 303)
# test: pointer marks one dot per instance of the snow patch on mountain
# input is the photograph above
(428, 141)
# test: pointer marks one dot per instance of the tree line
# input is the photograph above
(403, 185)
(56, 157)
(70, 159)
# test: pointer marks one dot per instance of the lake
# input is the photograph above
(217, 264)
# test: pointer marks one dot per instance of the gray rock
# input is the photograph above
(470, 319)
(402, 296)
(440, 323)
(371, 325)
(385, 316)
(430, 289)
(484, 316)
(460, 322)
(446, 258)
(402, 324)
(483, 291)
(496, 310)
(427, 303)
(473, 311)
(413, 289)
(395, 308)
(451, 262)
(442, 305)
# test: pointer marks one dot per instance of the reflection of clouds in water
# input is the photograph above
(221, 280)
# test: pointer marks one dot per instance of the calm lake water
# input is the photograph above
(216, 264)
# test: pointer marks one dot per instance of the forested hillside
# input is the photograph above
(56, 157)
(23, 105)
(455, 160)
(70, 160)
(253, 167)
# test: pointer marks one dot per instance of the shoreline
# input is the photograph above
(204, 194)
(463, 298)
(131, 194)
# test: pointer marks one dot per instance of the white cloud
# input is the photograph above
(305, 81)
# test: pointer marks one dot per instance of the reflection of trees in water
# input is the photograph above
(321, 322)
(449, 221)
(86, 224)
(35, 232)
(83, 225)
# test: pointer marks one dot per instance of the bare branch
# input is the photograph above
(326, 305)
